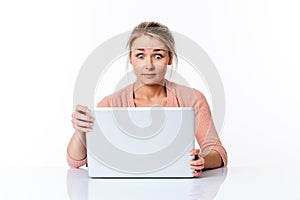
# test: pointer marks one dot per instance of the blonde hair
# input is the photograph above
(158, 31)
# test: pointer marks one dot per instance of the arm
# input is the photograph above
(213, 160)
(210, 161)
(77, 146)
(212, 150)
(82, 123)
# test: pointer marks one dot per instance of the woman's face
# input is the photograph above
(149, 57)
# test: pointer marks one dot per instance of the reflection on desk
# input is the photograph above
(80, 186)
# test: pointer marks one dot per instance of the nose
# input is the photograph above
(149, 63)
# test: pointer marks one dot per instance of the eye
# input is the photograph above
(140, 56)
(158, 56)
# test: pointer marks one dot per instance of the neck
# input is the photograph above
(149, 92)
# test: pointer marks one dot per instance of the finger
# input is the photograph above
(82, 123)
(200, 161)
(198, 167)
(79, 124)
(83, 117)
(82, 109)
(82, 129)
(194, 152)
(76, 129)
(197, 174)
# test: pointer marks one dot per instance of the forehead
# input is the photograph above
(148, 42)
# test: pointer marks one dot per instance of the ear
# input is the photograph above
(170, 60)
(130, 58)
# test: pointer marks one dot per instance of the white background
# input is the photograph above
(253, 43)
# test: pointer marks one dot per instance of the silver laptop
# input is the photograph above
(141, 142)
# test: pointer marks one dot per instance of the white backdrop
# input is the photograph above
(253, 43)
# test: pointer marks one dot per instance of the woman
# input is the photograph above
(152, 49)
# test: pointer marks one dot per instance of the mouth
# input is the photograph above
(148, 75)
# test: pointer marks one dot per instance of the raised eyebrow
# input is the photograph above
(159, 50)
(141, 49)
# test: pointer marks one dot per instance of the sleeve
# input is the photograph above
(75, 163)
(105, 102)
(205, 131)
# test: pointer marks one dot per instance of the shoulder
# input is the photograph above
(181, 88)
(105, 102)
(189, 96)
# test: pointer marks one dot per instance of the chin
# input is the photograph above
(152, 81)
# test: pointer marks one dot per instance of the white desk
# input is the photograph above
(230, 183)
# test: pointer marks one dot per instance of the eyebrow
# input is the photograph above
(142, 49)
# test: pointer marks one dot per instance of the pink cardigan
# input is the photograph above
(177, 96)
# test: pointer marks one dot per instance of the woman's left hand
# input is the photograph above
(197, 163)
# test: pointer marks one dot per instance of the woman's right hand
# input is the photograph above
(81, 121)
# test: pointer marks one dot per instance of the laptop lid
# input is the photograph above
(141, 142)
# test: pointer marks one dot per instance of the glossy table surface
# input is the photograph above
(223, 183)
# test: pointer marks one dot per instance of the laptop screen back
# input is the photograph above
(141, 142)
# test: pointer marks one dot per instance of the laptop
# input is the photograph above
(141, 142)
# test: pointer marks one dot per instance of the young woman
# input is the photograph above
(152, 49)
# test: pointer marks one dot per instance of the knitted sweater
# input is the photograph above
(177, 96)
